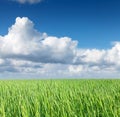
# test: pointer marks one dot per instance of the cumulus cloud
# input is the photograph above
(24, 42)
(24, 50)
(28, 1)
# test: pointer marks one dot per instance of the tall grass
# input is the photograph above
(60, 98)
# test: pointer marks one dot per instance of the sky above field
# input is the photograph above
(59, 38)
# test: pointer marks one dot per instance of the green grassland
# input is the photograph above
(60, 98)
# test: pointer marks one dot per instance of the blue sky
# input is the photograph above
(70, 38)
(96, 22)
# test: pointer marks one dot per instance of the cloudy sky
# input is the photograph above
(59, 39)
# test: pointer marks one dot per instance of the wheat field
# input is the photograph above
(60, 98)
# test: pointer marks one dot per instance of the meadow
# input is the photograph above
(59, 98)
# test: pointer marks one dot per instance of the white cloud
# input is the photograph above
(24, 42)
(1, 61)
(75, 70)
(113, 54)
(28, 1)
(24, 50)
(89, 56)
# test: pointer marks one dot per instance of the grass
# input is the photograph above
(60, 98)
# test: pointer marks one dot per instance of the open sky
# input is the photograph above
(59, 38)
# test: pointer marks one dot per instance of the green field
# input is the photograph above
(60, 98)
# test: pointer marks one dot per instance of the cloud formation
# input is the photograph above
(24, 42)
(24, 50)
(28, 1)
